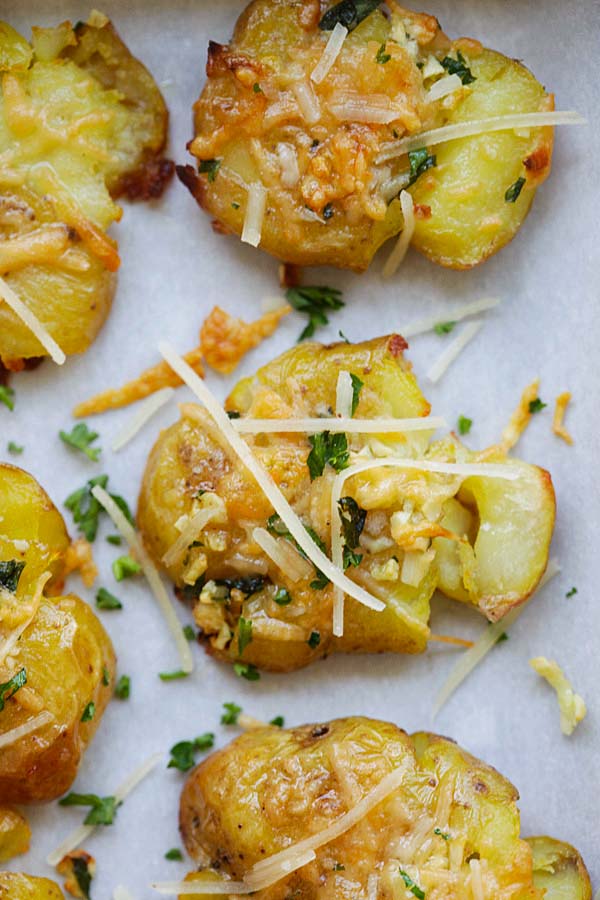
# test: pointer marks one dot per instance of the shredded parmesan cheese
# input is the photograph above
(15, 734)
(422, 326)
(335, 425)
(562, 401)
(79, 834)
(453, 350)
(476, 879)
(288, 163)
(343, 395)
(31, 322)
(121, 893)
(399, 251)
(308, 102)
(443, 87)
(255, 213)
(283, 554)
(572, 706)
(147, 408)
(479, 126)
(484, 644)
(350, 106)
(225, 340)
(330, 53)
(191, 532)
(154, 579)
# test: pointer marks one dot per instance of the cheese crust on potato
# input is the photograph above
(449, 827)
(481, 540)
(310, 137)
(57, 663)
(82, 122)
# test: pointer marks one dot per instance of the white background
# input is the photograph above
(174, 270)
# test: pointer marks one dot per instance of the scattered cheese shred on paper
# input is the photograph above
(558, 427)
(572, 706)
(520, 418)
(225, 340)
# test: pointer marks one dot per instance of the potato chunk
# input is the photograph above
(450, 821)
(17, 886)
(81, 122)
(15, 833)
(559, 870)
(55, 646)
(321, 144)
(405, 531)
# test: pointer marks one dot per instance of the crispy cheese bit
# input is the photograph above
(572, 706)
(150, 381)
(78, 869)
(520, 418)
(562, 401)
(79, 558)
(225, 340)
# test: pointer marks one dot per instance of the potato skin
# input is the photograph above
(15, 833)
(271, 788)
(248, 110)
(17, 886)
(559, 870)
(67, 654)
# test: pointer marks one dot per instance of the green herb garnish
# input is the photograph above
(114, 539)
(411, 885)
(106, 600)
(10, 573)
(458, 67)
(173, 676)
(257, 88)
(81, 438)
(512, 193)
(7, 396)
(327, 211)
(338, 867)
(105, 676)
(86, 509)
(123, 688)
(174, 854)
(210, 167)
(343, 337)
(571, 592)
(247, 671)
(9, 688)
(103, 809)
(348, 13)
(314, 640)
(357, 386)
(230, 716)
(382, 57)
(82, 874)
(125, 567)
(420, 160)
(15, 449)
(329, 449)
(314, 301)
(464, 425)
(278, 721)
(443, 834)
(282, 597)
(444, 327)
(536, 405)
(183, 753)
(244, 634)
(89, 712)
(189, 633)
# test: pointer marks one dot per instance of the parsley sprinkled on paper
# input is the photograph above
(103, 809)
(210, 167)
(571, 592)
(183, 754)
(314, 302)
(444, 327)
(106, 600)
(412, 886)
(173, 676)
(189, 633)
(125, 567)
(81, 438)
(114, 539)
(278, 721)
(247, 671)
(348, 13)
(15, 449)
(86, 509)
(230, 716)
(329, 449)
(10, 573)
(536, 405)
(174, 854)
(7, 396)
(420, 160)
(382, 57)
(512, 193)
(9, 688)
(458, 67)
(244, 634)
(464, 425)
(89, 712)
(123, 688)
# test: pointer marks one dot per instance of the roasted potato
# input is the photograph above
(559, 870)
(324, 150)
(55, 656)
(17, 886)
(482, 540)
(81, 122)
(15, 833)
(448, 824)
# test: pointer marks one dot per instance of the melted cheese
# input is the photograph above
(330, 53)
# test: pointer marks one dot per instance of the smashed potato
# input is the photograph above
(56, 660)
(17, 886)
(481, 540)
(15, 833)
(81, 123)
(323, 147)
(448, 825)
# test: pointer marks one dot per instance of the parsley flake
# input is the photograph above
(174, 854)
(343, 337)
(89, 712)
(443, 834)
(81, 438)
(244, 634)
(82, 874)
(278, 721)
(10, 573)
(173, 676)
(348, 13)
(114, 539)
(210, 167)
(327, 211)
(105, 676)
(357, 386)
(257, 88)
(458, 67)
(230, 716)
(189, 633)
(512, 193)
(464, 425)
(86, 509)
(382, 57)
(571, 592)
(183, 753)
(314, 640)
(106, 600)
(327, 448)
(420, 160)
(338, 867)
(536, 405)
(123, 688)
(9, 688)
(103, 809)
(314, 301)
(444, 327)
(15, 449)
(412, 886)
(282, 597)
(247, 671)
(125, 567)
(7, 396)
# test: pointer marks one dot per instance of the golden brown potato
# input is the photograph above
(17, 886)
(559, 870)
(81, 122)
(15, 833)
(448, 824)
(56, 660)
(324, 150)
(481, 540)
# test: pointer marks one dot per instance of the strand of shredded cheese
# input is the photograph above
(479, 126)
(308, 102)
(10, 642)
(399, 251)
(443, 87)
(15, 734)
(428, 323)
(190, 533)
(122, 893)
(151, 573)
(283, 554)
(147, 408)
(453, 350)
(79, 834)
(343, 395)
(255, 214)
(330, 53)
(336, 425)
(558, 427)
(31, 322)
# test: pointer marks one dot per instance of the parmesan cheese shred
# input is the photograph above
(31, 322)
(330, 53)
(399, 251)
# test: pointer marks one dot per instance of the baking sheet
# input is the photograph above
(174, 270)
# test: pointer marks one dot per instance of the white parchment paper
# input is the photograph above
(174, 270)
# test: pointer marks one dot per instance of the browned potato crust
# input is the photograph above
(17, 886)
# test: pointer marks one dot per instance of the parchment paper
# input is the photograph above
(174, 270)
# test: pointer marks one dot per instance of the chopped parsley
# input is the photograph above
(420, 160)
(82, 874)
(15, 449)
(314, 301)
(230, 716)
(357, 386)
(173, 676)
(9, 688)
(183, 753)
(501, 638)
(105, 676)
(89, 712)
(571, 592)
(10, 573)
(81, 438)
(464, 425)
(382, 57)
(235, 205)
(86, 509)
(443, 834)
(282, 597)
(174, 854)
(329, 449)
(343, 337)
(444, 327)
(348, 13)
(125, 567)
(278, 721)
(247, 671)
(352, 517)
(412, 886)
(458, 67)
(106, 600)
(512, 193)
(103, 809)
(536, 405)
(123, 688)
(7, 396)
(257, 88)
(114, 539)
(314, 640)
(210, 167)
(189, 633)
(244, 634)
